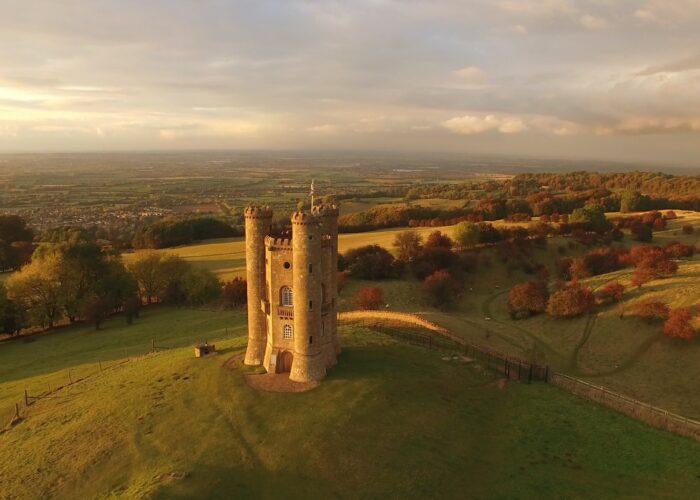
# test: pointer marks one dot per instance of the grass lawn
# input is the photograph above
(391, 420)
(36, 361)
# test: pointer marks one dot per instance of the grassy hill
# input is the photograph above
(391, 420)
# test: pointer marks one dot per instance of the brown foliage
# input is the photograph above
(651, 310)
(573, 300)
(678, 324)
(527, 298)
(611, 292)
(442, 289)
(370, 298)
(235, 293)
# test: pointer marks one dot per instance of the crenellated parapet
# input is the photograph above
(257, 212)
(326, 210)
(272, 243)
(303, 218)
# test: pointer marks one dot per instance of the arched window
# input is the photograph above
(287, 297)
(287, 331)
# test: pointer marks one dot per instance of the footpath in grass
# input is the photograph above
(391, 420)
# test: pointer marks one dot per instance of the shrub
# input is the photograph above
(370, 298)
(442, 289)
(678, 324)
(466, 234)
(433, 259)
(573, 300)
(651, 310)
(235, 293)
(527, 298)
(436, 239)
(370, 262)
(611, 292)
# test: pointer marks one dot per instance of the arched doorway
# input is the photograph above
(284, 365)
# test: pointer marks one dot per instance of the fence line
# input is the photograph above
(510, 366)
(517, 369)
(644, 412)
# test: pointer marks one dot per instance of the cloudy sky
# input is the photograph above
(616, 79)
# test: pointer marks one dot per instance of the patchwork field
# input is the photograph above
(169, 425)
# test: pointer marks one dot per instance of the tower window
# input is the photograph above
(311, 305)
(311, 339)
(287, 265)
(311, 269)
(287, 332)
(287, 297)
(311, 236)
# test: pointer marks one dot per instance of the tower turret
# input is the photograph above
(258, 223)
(309, 363)
(328, 213)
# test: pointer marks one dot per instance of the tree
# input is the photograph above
(235, 293)
(571, 301)
(650, 310)
(408, 245)
(36, 289)
(96, 310)
(593, 216)
(611, 292)
(433, 259)
(578, 269)
(158, 275)
(437, 239)
(442, 289)
(678, 324)
(131, 306)
(370, 262)
(14, 228)
(527, 298)
(341, 280)
(11, 315)
(630, 201)
(466, 234)
(370, 298)
(200, 286)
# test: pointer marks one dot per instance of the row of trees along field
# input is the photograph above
(530, 195)
(76, 279)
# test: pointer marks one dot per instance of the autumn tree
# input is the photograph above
(651, 310)
(442, 289)
(611, 292)
(527, 298)
(200, 286)
(370, 298)
(408, 245)
(36, 288)
(11, 315)
(158, 275)
(437, 239)
(571, 301)
(678, 324)
(235, 293)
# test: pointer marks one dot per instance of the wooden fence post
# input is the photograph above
(153, 345)
(100, 364)
(17, 410)
(26, 398)
(70, 379)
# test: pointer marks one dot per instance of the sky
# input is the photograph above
(597, 79)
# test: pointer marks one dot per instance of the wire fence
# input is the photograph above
(652, 415)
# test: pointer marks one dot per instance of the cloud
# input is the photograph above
(689, 63)
(475, 124)
(593, 23)
(471, 75)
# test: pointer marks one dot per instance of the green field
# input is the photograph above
(391, 420)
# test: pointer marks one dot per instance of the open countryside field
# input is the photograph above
(169, 425)
(625, 354)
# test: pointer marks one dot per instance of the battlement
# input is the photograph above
(273, 243)
(257, 212)
(304, 218)
(326, 210)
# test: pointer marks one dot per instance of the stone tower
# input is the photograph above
(292, 293)
(258, 223)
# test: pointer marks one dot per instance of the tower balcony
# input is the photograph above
(285, 312)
